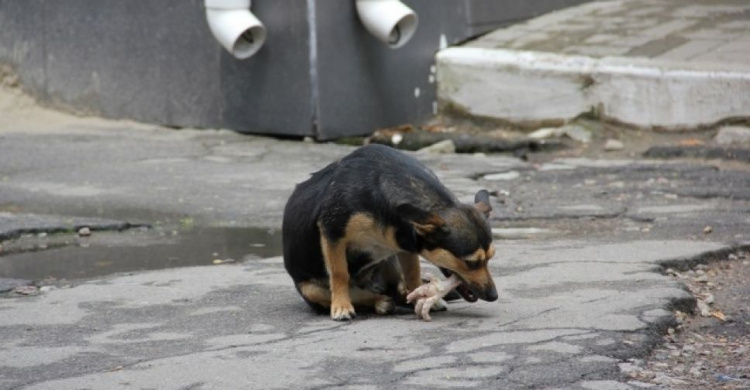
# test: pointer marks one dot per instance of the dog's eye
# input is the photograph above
(473, 264)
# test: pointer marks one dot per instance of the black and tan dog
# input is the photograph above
(376, 204)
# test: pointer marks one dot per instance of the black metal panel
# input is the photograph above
(271, 92)
(363, 84)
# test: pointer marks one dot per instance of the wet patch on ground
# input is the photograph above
(44, 256)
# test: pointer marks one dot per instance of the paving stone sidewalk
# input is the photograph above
(667, 64)
(703, 31)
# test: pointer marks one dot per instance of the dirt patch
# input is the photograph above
(709, 349)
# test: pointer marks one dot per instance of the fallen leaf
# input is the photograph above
(718, 314)
(691, 142)
(437, 128)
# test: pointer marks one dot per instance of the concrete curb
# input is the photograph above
(530, 87)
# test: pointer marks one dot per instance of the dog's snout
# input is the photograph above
(486, 292)
(490, 294)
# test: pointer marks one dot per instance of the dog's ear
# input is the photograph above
(482, 203)
(424, 222)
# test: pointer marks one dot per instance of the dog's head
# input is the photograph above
(459, 241)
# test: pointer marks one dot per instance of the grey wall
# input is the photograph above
(156, 61)
(270, 93)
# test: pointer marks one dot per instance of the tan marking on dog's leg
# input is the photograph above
(411, 269)
(315, 293)
(381, 303)
(338, 271)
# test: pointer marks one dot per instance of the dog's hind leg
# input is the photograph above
(381, 303)
(316, 294)
(319, 296)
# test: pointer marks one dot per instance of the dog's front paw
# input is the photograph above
(342, 312)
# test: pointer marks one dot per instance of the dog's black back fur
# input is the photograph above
(368, 180)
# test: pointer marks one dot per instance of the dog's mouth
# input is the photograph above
(462, 289)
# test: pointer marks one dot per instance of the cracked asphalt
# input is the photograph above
(582, 246)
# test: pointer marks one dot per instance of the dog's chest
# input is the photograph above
(365, 254)
(367, 237)
(376, 249)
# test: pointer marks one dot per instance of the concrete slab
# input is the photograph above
(235, 325)
(575, 301)
(670, 65)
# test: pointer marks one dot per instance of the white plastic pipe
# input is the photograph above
(235, 27)
(390, 21)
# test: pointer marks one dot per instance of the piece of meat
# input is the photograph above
(427, 295)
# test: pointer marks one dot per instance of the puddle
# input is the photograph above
(71, 257)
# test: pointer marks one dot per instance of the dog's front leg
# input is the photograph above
(410, 267)
(334, 254)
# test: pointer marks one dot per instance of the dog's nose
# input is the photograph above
(490, 294)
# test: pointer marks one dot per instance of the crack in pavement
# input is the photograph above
(504, 325)
(10, 225)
